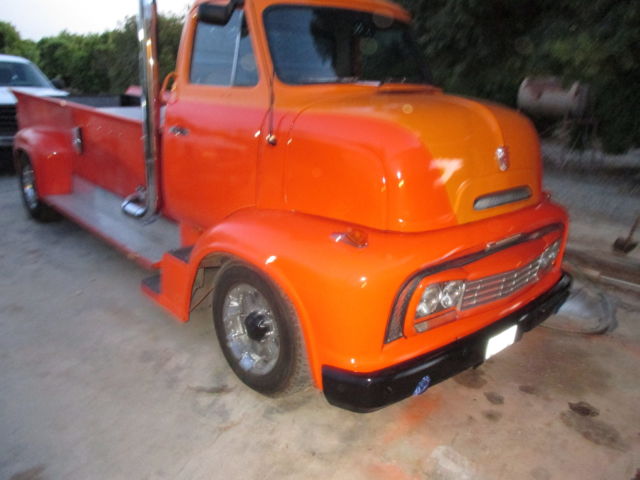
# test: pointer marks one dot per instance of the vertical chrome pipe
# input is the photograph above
(144, 202)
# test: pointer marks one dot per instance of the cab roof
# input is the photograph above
(377, 6)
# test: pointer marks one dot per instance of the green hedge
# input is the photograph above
(485, 48)
(95, 63)
(481, 48)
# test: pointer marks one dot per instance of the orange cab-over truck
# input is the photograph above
(357, 228)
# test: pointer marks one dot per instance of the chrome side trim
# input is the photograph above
(504, 197)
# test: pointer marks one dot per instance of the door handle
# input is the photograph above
(178, 131)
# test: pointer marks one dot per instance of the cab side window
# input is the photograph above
(223, 55)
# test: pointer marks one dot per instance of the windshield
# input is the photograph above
(18, 74)
(333, 45)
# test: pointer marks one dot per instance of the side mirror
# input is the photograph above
(58, 82)
(217, 14)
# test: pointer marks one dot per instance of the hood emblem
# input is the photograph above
(502, 157)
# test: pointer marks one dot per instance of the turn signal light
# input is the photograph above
(354, 237)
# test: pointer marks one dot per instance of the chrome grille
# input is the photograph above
(8, 123)
(488, 289)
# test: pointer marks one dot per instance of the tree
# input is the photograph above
(12, 44)
(486, 48)
(123, 51)
(107, 62)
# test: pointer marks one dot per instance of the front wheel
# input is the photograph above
(258, 332)
(36, 209)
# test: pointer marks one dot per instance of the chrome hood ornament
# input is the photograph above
(502, 157)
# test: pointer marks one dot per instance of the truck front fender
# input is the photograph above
(344, 295)
(326, 281)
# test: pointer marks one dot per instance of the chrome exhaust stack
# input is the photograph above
(143, 203)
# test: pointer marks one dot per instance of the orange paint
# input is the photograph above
(401, 164)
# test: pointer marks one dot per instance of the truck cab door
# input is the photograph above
(212, 124)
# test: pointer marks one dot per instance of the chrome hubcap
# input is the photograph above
(29, 187)
(250, 329)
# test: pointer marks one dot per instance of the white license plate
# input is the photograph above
(499, 342)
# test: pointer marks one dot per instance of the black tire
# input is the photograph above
(289, 372)
(35, 207)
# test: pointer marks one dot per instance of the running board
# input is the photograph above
(98, 210)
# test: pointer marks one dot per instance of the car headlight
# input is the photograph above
(451, 294)
(430, 301)
(438, 297)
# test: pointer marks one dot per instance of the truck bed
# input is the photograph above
(108, 166)
(133, 113)
(111, 153)
(127, 106)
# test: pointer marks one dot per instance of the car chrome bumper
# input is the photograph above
(366, 392)
(6, 140)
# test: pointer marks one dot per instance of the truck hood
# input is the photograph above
(411, 159)
(8, 98)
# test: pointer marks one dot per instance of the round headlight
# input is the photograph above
(451, 294)
(430, 301)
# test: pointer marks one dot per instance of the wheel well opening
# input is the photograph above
(18, 155)
(205, 279)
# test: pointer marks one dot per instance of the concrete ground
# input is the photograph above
(98, 382)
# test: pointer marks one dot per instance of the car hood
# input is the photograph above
(409, 160)
(8, 98)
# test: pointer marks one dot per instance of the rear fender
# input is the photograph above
(51, 155)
